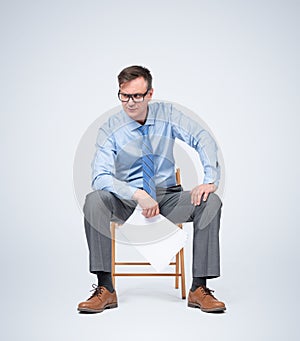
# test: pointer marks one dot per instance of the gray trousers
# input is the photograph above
(102, 207)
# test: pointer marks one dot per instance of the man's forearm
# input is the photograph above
(109, 183)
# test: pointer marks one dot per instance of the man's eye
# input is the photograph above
(124, 96)
(137, 96)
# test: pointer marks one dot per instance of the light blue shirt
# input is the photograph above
(117, 165)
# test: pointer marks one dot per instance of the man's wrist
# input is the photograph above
(214, 185)
(138, 194)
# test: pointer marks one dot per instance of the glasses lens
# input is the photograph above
(138, 97)
(123, 97)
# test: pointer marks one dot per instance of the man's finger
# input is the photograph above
(200, 194)
(150, 212)
(196, 198)
(205, 196)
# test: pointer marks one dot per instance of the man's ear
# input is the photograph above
(150, 93)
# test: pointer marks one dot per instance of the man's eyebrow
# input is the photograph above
(136, 93)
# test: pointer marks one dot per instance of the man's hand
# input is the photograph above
(201, 191)
(147, 203)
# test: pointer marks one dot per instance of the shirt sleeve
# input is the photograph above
(103, 168)
(191, 132)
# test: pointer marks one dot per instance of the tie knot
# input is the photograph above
(144, 129)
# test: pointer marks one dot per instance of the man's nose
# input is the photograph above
(131, 101)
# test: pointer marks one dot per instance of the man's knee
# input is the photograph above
(214, 201)
(208, 211)
(97, 200)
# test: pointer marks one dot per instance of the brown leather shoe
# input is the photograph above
(203, 298)
(101, 299)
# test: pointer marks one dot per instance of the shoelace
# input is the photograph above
(208, 291)
(97, 291)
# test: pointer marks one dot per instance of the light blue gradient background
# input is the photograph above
(235, 63)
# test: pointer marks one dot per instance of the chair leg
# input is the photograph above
(182, 270)
(113, 252)
(177, 271)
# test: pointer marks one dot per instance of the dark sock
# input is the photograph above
(198, 282)
(104, 279)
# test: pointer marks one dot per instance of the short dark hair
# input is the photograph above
(133, 72)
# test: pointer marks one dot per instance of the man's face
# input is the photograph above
(136, 110)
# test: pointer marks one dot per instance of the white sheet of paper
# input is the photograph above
(157, 239)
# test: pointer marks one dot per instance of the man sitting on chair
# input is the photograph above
(134, 164)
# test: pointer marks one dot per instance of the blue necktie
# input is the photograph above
(148, 163)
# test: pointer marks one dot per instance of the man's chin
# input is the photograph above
(133, 113)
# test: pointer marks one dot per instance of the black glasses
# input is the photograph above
(135, 97)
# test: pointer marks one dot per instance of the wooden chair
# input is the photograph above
(178, 271)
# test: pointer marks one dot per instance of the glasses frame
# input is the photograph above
(131, 96)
